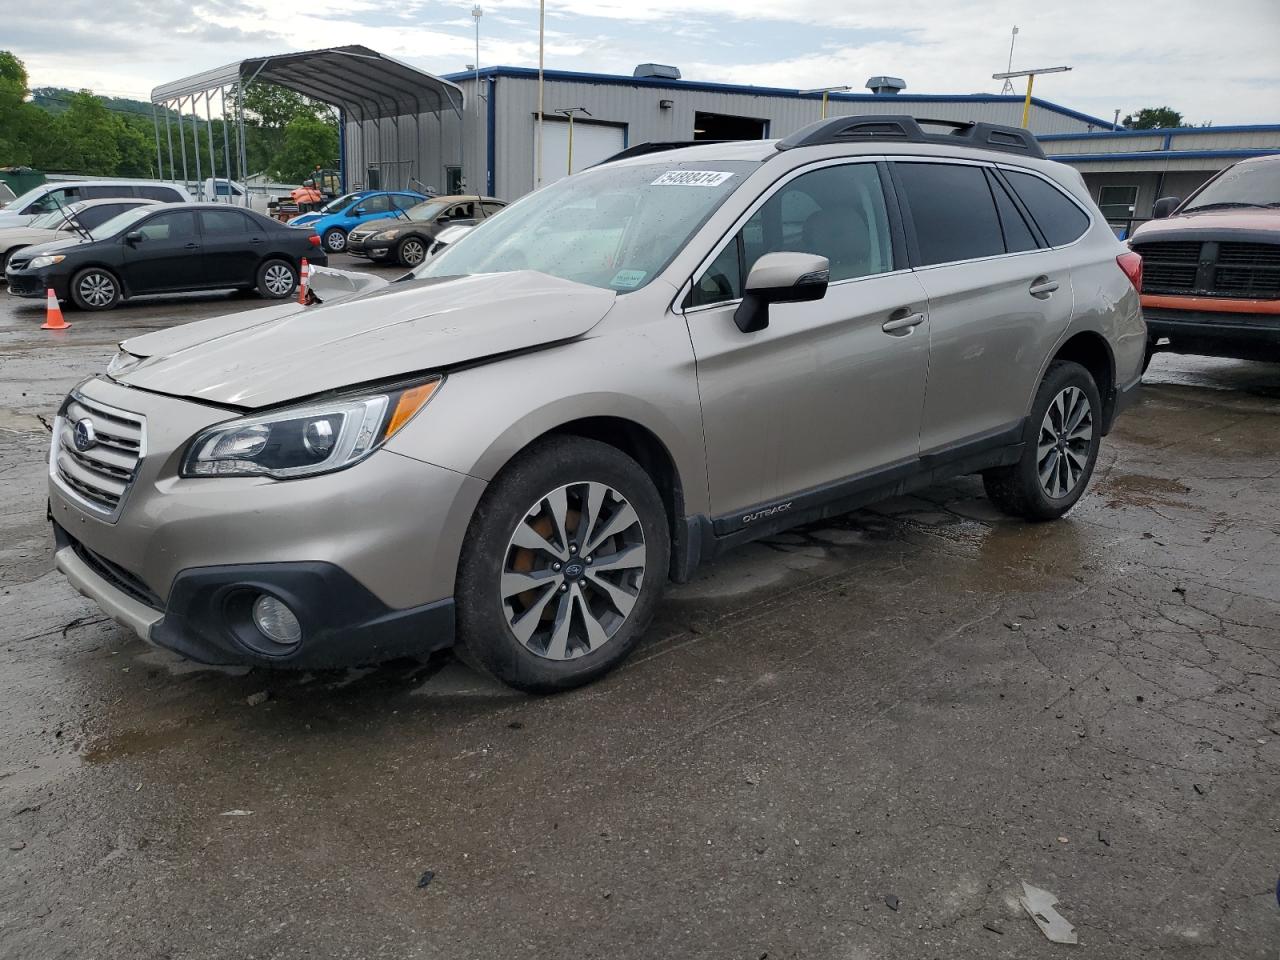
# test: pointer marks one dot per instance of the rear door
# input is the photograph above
(168, 255)
(997, 300)
(231, 247)
(824, 393)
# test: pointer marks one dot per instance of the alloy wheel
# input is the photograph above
(336, 240)
(97, 289)
(1062, 448)
(573, 570)
(278, 279)
(413, 252)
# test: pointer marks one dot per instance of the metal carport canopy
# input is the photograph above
(365, 84)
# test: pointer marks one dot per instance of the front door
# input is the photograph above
(825, 392)
(167, 257)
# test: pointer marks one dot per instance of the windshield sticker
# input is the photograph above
(627, 279)
(691, 178)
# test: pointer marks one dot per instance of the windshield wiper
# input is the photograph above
(1221, 204)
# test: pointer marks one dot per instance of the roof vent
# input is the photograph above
(657, 71)
(886, 85)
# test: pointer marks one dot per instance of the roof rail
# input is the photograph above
(984, 136)
(640, 149)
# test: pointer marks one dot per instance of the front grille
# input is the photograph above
(116, 575)
(355, 236)
(100, 474)
(1211, 269)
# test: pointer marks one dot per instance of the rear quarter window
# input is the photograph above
(1059, 218)
(164, 194)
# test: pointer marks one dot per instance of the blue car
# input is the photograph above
(335, 219)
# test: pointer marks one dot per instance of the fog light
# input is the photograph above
(276, 621)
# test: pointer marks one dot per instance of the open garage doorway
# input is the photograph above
(722, 126)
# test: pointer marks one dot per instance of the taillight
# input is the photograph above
(1131, 264)
(314, 240)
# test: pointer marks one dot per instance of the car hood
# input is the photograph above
(1198, 226)
(265, 357)
(53, 246)
(9, 236)
(305, 219)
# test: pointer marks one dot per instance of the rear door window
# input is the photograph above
(1017, 235)
(952, 212)
(223, 223)
(1059, 219)
(92, 191)
(163, 194)
(491, 208)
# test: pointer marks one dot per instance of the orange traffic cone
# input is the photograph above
(53, 314)
(304, 281)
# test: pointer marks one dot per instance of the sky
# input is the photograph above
(1215, 62)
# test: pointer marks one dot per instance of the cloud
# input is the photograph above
(1213, 63)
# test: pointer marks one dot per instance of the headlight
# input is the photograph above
(388, 234)
(304, 441)
(48, 260)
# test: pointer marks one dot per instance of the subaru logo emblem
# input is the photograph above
(84, 436)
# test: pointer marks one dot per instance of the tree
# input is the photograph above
(21, 124)
(1153, 118)
(307, 142)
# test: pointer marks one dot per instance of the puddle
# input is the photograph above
(1139, 490)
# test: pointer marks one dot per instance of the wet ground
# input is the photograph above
(852, 741)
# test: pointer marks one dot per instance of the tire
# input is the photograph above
(277, 279)
(539, 639)
(335, 240)
(95, 288)
(411, 251)
(1019, 490)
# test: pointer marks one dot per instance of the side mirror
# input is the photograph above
(133, 236)
(358, 211)
(780, 278)
(1165, 206)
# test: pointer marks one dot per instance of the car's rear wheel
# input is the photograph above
(95, 288)
(277, 279)
(564, 562)
(335, 240)
(1059, 451)
(411, 252)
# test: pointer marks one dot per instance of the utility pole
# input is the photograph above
(569, 112)
(542, 21)
(477, 13)
(1031, 79)
(1008, 84)
(825, 91)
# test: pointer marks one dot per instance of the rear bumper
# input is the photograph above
(208, 614)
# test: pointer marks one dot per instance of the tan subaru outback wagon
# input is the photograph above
(629, 372)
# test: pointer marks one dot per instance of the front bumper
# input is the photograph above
(1245, 336)
(368, 554)
(35, 284)
(369, 249)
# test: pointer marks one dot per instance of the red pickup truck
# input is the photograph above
(1211, 266)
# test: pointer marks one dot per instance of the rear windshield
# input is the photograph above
(615, 227)
(1244, 185)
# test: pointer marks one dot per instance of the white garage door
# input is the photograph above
(592, 142)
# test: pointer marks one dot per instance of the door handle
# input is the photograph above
(901, 322)
(257, 240)
(190, 246)
(1042, 287)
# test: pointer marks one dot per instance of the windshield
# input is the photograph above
(21, 203)
(119, 223)
(1244, 185)
(425, 210)
(615, 227)
(340, 203)
(49, 221)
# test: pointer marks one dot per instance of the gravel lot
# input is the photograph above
(855, 740)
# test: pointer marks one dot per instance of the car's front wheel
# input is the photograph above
(277, 279)
(95, 288)
(411, 252)
(335, 240)
(1059, 451)
(564, 562)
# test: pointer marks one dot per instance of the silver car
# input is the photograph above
(631, 371)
